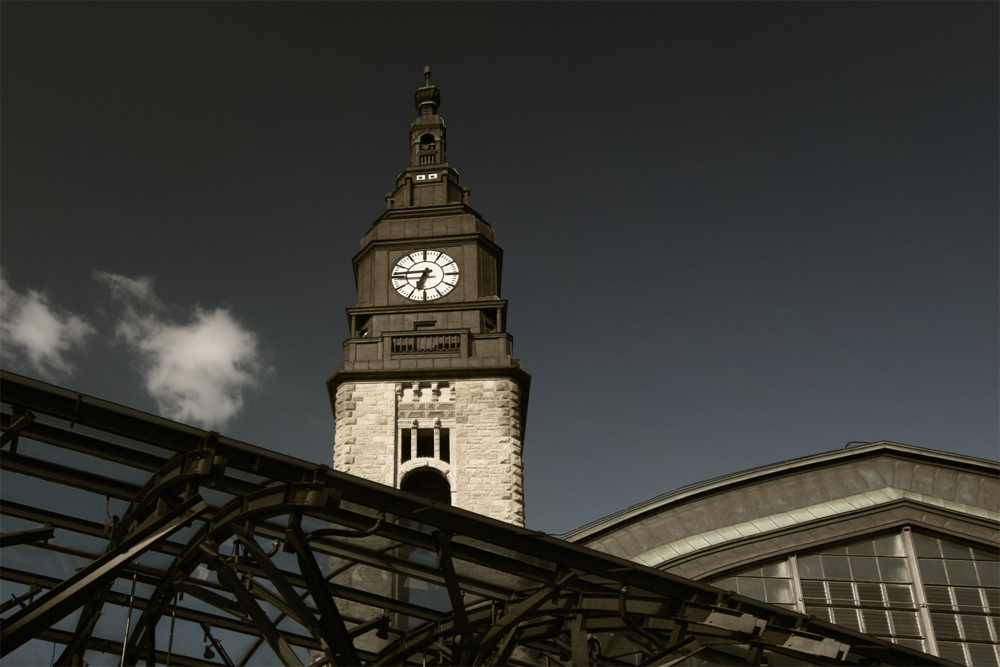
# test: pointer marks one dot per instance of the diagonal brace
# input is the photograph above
(230, 580)
(332, 628)
(522, 609)
(447, 566)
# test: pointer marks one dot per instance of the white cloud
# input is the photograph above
(196, 371)
(37, 336)
(132, 291)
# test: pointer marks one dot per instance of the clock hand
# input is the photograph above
(423, 278)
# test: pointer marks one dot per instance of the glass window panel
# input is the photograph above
(983, 655)
(932, 571)
(425, 442)
(33, 559)
(838, 550)
(893, 569)
(836, 567)
(753, 588)
(263, 657)
(841, 591)
(67, 623)
(79, 541)
(926, 546)
(98, 659)
(726, 583)
(952, 550)
(822, 613)
(938, 597)
(870, 593)
(911, 643)
(985, 554)
(814, 590)
(13, 524)
(776, 569)
(989, 573)
(889, 545)
(444, 437)
(84, 462)
(778, 590)
(969, 599)
(404, 444)
(876, 621)
(961, 572)
(975, 628)
(750, 572)
(898, 595)
(945, 626)
(34, 652)
(992, 596)
(905, 623)
(431, 596)
(952, 651)
(54, 497)
(864, 569)
(847, 618)
(810, 567)
(862, 548)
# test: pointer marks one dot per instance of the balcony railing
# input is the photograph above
(426, 343)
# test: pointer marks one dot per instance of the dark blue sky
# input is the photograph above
(734, 233)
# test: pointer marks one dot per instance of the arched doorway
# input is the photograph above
(429, 484)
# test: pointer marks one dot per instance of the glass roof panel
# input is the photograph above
(82, 462)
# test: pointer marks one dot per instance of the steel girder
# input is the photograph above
(367, 575)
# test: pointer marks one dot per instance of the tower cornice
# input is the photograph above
(455, 208)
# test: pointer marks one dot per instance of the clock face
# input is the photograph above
(424, 275)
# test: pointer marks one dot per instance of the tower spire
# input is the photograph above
(427, 132)
(428, 98)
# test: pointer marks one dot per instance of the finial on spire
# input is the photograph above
(428, 97)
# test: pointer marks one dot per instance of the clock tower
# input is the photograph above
(429, 398)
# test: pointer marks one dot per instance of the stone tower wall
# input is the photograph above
(489, 469)
(365, 440)
(486, 471)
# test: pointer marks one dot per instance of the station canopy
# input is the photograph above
(130, 539)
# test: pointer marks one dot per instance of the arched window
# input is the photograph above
(924, 591)
(429, 484)
(427, 149)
